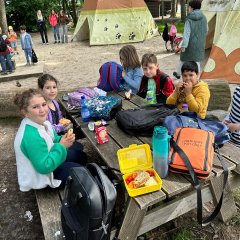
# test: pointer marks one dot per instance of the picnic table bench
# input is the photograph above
(145, 212)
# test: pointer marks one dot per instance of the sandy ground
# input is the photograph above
(75, 65)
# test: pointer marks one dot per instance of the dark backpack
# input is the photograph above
(3, 45)
(88, 204)
(34, 57)
(141, 122)
(110, 77)
(165, 35)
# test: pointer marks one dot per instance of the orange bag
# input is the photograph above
(198, 146)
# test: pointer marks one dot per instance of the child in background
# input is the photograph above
(26, 43)
(165, 36)
(172, 35)
(132, 70)
(43, 158)
(156, 86)
(232, 120)
(12, 36)
(191, 91)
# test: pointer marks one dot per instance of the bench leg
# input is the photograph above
(132, 221)
(228, 207)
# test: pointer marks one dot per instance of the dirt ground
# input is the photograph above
(75, 65)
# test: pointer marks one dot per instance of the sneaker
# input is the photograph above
(55, 42)
(4, 73)
(175, 74)
(58, 41)
(11, 72)
(47, 43)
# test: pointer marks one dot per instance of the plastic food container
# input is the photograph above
(134, 158)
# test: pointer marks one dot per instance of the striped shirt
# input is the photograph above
(234, 116)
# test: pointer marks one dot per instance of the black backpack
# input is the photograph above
(88, 204)
(165, 35)
(141, 122)
(34, 57)
(3, 45)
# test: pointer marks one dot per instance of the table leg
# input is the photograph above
(228, 208)
(132, 221)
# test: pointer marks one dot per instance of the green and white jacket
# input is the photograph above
(38, 154)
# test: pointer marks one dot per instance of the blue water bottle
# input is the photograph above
(84, 109)
(160, 143)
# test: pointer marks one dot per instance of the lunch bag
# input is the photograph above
(111, 77)
(191, 153)
(141, 121)
(190, 119)
(75, 97)
(88, 204)
(104, 107)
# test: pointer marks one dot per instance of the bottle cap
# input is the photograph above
(184, 105)
(159, 130)
(82, 97)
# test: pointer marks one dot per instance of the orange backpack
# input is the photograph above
(198, 145)
(192, 153)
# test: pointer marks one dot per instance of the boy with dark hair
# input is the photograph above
(26, 43)
(155, 86)
(191, 91)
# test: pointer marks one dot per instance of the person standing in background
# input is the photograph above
(26, 43)
(42, 27)
(53, 20)
(194, 37)
(12, 36)
(63, 28)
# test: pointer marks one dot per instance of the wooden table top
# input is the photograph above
(172, 185)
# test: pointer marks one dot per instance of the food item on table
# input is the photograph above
(69, 132)
(128, 94)
(97, 123)
(64, 121)
(150, 182)
(141, 178)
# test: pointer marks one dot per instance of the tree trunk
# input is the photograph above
(74, 12)
(64, 5)
(3, 18)
(183, 10)
(173, 8)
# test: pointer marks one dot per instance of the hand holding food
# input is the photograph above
(69, 132)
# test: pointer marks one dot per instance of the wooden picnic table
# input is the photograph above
(177, 195)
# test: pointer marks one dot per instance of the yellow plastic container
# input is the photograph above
(137, 157)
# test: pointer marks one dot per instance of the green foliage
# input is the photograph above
(236, 195)
(24, 12)
(179, 25)
(184, 234)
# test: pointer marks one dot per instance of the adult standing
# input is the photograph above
(194, 36)
(53, 20)
(63, 28)
(42, 27)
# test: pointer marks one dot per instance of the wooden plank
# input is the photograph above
(228, 208)
(49, 205)
(169, 211)
(231, 152)
(217, 166)
(175, 184)
(132, 221)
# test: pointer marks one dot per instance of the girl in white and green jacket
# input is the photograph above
(42, 156)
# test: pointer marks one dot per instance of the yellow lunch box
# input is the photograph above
(134, 158)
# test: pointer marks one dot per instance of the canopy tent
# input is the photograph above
(224, 38)
(113, 22)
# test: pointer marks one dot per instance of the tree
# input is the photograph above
(3, 18)
(173, 8)
(183, 10)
